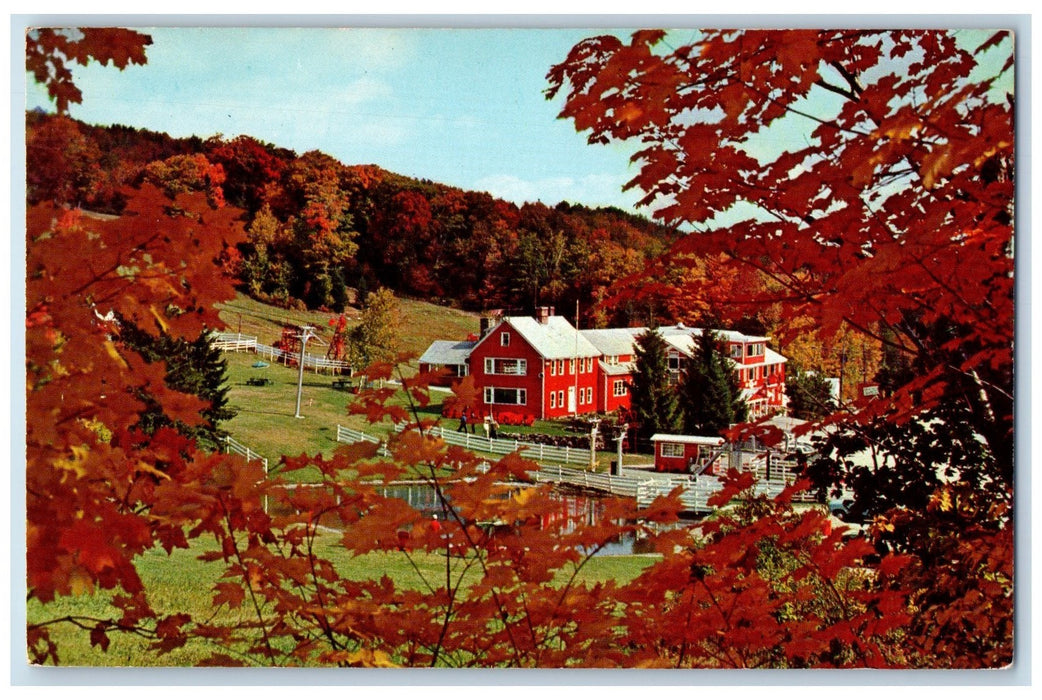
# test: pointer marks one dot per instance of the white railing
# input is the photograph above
(236, 342)
(697, 490)
(610, 483)
(351, 436)
(694, 496)
(531, 450)
(231, 445)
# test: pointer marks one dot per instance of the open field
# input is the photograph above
(181, 583)
(265, 419)
(422, 322)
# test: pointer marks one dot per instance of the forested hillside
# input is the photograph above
(320, 230)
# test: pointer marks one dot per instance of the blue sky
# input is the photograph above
(463, 107)
(460, 106)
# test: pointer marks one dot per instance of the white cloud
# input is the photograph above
(592, 190)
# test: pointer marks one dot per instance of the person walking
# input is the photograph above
(462, 422)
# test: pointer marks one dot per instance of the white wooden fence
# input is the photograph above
(236, 342)
(350, 436)
(231, 445)
(694, 496)
(531, 450)
(618, 485)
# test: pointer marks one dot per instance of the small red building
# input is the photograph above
(683, 453)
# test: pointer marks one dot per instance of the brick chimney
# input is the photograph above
(543, 314)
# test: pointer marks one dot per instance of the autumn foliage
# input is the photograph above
(764, 583)
(889, 217)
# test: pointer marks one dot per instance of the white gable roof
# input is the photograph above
(613, 341)
(447, 352)
(623, 341)
(554, 340)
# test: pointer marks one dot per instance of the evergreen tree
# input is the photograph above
(653, 400)
(809, 393)
(194, 367)
(710, 395)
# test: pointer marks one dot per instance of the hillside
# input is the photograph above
(319, 228)
(422, 321)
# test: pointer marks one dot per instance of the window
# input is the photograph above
(504, 339)
(672, 449)
(511, 366)
(756, 349)
(560, 399)
(674, 361)
(589, 394)
(619, 388)
(611, 360)
(553, 368)
(553, 400)
(736, 350)
(510, 397)
(571, 366)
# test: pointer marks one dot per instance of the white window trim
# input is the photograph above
(521, 364)
(504, 339)
(672, 449)
(521, 396)
(619, 387)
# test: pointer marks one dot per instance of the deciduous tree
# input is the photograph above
(377, 336)
(891, 216)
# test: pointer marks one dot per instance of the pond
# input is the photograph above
(575, 509)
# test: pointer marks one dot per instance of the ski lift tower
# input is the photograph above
(306, 334)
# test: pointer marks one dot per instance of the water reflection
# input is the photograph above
(574, 510)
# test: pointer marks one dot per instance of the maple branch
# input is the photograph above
(323, 620)
(698, 575)
(245, 573)
(853, 90)
(831, 123)
(82, 620)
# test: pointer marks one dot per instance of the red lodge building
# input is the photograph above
(543, 367)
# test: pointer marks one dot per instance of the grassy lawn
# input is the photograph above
(422, 322)
(265, 421)
(265, 415)
(181, 583)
